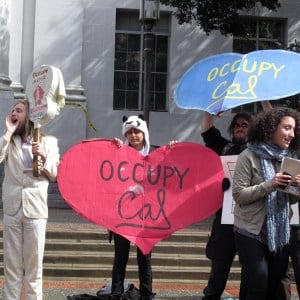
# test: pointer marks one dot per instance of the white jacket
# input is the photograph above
(20, 187)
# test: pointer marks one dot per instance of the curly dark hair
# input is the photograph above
(266, 123)
(244, 115)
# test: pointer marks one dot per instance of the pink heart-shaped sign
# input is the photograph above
(145, 199)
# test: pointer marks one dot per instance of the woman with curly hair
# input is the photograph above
(262, 212)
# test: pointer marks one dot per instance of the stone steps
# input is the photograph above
(87, 255)
(77, 250)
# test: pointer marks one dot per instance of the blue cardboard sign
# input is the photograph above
(221, 82)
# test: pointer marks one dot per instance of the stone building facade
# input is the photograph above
(98, 47)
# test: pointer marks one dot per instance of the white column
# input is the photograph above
(17, 30)
(5, 45)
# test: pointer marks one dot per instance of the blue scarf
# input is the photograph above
(278, 224)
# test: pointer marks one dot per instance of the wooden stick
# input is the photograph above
(36, 172)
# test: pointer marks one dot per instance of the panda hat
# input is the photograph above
(138, 123)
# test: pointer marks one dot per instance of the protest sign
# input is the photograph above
(45, 91)
(221, 82)
(145, 199)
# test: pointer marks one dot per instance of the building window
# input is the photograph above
(258, 34)
(128, 68)
(253, 34)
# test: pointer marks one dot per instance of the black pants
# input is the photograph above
(122, 247)
(221, 250)
(295, 254)
(264, 271)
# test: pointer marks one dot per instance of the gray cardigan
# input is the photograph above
(249, 190)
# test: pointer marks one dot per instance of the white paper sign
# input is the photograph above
(229, 162)
(46, 94)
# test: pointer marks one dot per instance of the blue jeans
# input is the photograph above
(264, 271)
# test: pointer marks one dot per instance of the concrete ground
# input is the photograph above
(59, 290)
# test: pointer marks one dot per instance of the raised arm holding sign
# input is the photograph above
(220, 247)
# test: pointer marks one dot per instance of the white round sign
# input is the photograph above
(45, 92)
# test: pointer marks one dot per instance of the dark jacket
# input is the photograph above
(222, 146)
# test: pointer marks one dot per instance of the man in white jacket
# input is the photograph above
(25, 203)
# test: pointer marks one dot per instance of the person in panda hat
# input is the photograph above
(136, 134)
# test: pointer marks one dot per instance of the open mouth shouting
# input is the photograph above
(14, 120)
